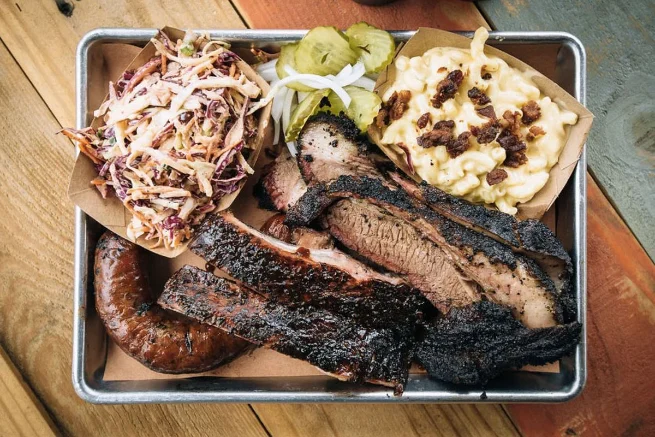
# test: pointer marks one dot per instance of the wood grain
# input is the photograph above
(21, 413)
(36, 266)
(619, 398)
(620, 45)
(399, 15)
(43, 39)
(339, 420)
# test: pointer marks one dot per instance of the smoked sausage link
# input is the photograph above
(162, 340)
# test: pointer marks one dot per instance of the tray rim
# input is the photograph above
(107, 395)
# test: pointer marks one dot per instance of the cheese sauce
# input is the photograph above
(508, 89)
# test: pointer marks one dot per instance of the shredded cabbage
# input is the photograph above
(173, 137)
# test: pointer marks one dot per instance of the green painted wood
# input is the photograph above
(619, 37)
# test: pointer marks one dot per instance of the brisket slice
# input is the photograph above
(394, 244)
(281, 184)
(326, 279)
(329, 146)
(476, 343)
(505, 277)
(336, 344)
(529, 237)
(303, 237)
(309, 207)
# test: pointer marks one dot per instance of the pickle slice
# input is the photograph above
(303, 111)
(363, 108)
(287, 57)
(323, 51)
(374, 46)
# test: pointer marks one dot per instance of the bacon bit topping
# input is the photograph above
(478, 97)
(382, 119)
(487, 132)
(423, 120)
(447, 88)
(515, 159)
(496, 176)
(510, 142)
(534, 132)
(512, 122)
(487, 111)
(459, 146)
(514, 148)
(441, 69)
(393, 109)
(531, 112)
(440, 135)
(400, 104)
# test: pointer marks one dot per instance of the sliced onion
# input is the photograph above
(267, 65)
(349, 74)
(365, 82)
(286, 109)
(276, 132)
(278, 104)
(319, 82)
(268, 76)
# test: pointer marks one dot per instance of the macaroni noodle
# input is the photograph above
(508, 89)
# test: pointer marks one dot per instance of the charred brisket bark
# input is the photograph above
(478, 342)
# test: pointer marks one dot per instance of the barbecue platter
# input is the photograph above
(393, 237)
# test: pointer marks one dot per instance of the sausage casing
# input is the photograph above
(162, 340)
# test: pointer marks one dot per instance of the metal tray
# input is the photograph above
(89, 340)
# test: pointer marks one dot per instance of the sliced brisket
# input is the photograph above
(396, 245)
(328, 147)
(303, 237)
(529, 237)
(281, 184)
(506, 277)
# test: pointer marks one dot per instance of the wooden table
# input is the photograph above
(37, 50)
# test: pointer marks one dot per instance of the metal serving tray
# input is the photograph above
(90, 341)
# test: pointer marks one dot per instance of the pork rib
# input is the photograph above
(335, 344)
(326, 279)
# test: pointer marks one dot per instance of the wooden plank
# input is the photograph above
(619, 398)
(36, 267)
(303, 14)
(620, 44)
(339, 420)
(21, 413)
(42, 38)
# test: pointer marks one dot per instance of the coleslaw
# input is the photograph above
(176, 136)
